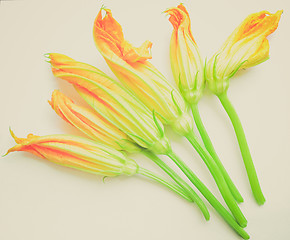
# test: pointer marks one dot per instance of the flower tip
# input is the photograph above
(9, 151)
(53, 96)
(59, 59)
(55, 92)
(103, 7)
(167, 11)
(16, 139)
(50, 103)
(280, 12)
(47, 55)
(164, 12)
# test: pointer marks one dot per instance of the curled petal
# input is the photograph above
(179, 19)
(247, 46)
(109, 32)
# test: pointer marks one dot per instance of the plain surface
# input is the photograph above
(40, 200)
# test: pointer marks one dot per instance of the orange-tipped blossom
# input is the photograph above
(113, 102)
(186, 63)
(130, 65)
(91, 123)
(77, 152)
(88, 156)
(247, 46)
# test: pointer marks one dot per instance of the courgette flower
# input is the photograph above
(131, 66)
(91, 123)
(186, 62)
(247, 46)
(113, 102)
(77, 152)
(86, 155)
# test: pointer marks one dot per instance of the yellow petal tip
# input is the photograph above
(16, 139)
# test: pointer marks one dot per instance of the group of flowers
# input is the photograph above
(128, 115)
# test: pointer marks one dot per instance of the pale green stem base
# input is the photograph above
(188, 190)
(173, 187)
(245, 151)
(209, 146)
(208, 195)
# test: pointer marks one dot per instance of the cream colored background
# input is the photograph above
(39, 200)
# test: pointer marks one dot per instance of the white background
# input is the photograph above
(39, 200)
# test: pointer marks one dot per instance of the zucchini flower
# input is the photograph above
(91, 123)
(188, 72)
(85, 155)
(77, 152)
(131, 66)
(247, 46)
(186, 62)
(113, 102)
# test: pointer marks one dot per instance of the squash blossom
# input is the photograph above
(77, 152)
(113, 102)
(186, 62)
(86, 155)
(91, 123)
(188, 71)
(247, 46)
(131, 66)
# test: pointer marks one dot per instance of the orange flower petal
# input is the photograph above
(179, 19)
(109, 36)
(257, 24)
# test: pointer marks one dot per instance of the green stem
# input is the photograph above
(173, 187)
(191, 193)
(219, 179)
(210, 148)
(245, 151)
(208, 195)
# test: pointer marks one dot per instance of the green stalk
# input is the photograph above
(188, 190)
(208, 195)
(173, 187)
(219, 179)
(209, 146)
(245, 151)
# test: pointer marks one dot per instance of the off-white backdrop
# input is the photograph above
(39, 200)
